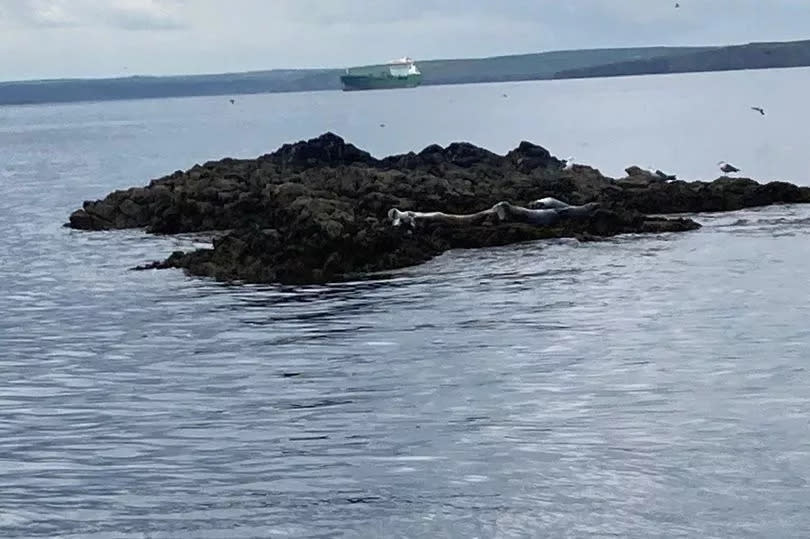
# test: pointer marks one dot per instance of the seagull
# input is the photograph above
(569, 163)
(727, 167)
(759, 110)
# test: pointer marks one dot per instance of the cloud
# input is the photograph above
(36, 13)
(44, 38)
(121, 14)
(143, 15)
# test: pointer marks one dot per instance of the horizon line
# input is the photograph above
(323, 68)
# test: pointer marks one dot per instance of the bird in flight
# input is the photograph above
(759, 110)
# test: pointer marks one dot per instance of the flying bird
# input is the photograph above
(677, 4)
(727, 167)
(759, 110)
(232, 101)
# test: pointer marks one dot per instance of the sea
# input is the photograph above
(645, 386)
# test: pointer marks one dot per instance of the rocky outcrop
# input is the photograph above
(318, 210)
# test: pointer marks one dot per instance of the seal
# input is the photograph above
(565, 210)
(503, 211)
(411, 218)
(548, 203)
(578, 212)
(510, 212)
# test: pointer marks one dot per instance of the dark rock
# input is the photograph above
(528, 156)
(433, 149)
(465, 155)
(81, 219)
(326, 150)
(316, 210)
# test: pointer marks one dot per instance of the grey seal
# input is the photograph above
(566, 211)
(548, 203)
(503, 211)
(411, 218)
(578, 212)
(510, 212)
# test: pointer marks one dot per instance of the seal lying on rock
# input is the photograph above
(410, 218)
(544, 217)
(509, 212)
(504, 211)
(579, 212)
(566, 210)
(548, 203)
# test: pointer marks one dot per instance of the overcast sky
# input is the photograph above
(78, 38)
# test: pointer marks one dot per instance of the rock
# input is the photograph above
(317, 210)
(103, 211)
(81, 219)
(528, 156)
(135, 214)
(659, 225)
(326, 150)
(465, 155)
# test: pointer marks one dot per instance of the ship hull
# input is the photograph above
(365, 82)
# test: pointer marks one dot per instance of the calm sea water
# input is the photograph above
(642, 387)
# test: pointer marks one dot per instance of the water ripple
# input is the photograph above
(641, 386)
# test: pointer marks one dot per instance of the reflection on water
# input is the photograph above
(640, 386)
(627, 385)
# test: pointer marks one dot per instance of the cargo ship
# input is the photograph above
(401, 73)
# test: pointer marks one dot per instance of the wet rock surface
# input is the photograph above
(317, 210)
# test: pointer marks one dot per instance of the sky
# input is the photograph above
(99, 38)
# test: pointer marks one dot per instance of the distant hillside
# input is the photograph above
(547, 65)
(501, 68)
(536, 66)
(750, 56)
(70, 90)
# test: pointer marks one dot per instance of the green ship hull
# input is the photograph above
(378, 82)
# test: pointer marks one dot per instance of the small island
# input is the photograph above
(324, 210)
